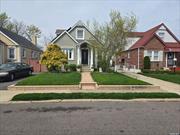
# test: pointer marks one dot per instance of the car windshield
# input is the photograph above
(7, 66)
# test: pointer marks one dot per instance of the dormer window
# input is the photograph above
(80, 33)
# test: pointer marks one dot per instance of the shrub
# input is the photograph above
(53, 58)
(72, 67)
(104, 65)
(79, 66)
(147, 63)
(66, 67)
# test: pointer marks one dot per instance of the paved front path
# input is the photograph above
(86, 77)
(90, 118)
(167, 86)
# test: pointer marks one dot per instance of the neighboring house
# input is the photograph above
(159, 43)
(15, 48)
(79, 44)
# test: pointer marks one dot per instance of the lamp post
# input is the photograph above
(174, 66)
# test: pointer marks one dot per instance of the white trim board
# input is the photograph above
(9, 38)
(62, 34)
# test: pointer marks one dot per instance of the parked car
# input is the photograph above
(11, 71)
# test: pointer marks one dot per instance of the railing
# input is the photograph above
(127, 68)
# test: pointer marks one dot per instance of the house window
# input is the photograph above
(33, 54)
(23, 52)
(156, 54)
(11, 53)
(161, 35)
(149, 54)
(80, 34)
(69, 53)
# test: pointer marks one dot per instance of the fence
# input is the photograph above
(37, 67)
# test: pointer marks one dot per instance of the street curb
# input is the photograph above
(92, 100)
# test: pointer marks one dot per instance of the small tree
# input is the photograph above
(53, 58)
(147, 64)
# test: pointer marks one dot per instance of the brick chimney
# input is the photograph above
(34, 39)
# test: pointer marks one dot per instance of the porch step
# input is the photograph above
(88, 85)
(85, 69)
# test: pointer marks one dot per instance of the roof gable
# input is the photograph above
(146, 37)
(59, 36)
(78, 24)
(17, 39)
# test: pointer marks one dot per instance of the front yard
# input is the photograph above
(170, 77)
(115, 79)
(72, 78)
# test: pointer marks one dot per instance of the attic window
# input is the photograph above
(80, 34)
(161, 35)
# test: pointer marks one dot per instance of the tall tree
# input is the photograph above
(113, 34)
(4, 19)
(32, 30)
(19, 27)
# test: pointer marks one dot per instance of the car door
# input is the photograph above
(25, 68)
(18, 72)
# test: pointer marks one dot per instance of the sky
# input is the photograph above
(49, 15)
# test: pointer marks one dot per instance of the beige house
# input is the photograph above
(15, 48)
(79, 44)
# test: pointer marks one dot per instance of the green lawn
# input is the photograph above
(115, 79)
(175, 78)
(71, 78)
(126, 96)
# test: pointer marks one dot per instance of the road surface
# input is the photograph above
(90, 118)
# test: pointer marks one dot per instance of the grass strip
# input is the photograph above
(170, 77)
(115, 79)
(125, 96)
(72, 78)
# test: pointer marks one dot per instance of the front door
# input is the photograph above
(84, 56)
(170, 58)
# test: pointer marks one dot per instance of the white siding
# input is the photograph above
(167, 36)
(131, 41)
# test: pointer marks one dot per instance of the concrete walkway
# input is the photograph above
(86, 77)
(87, 83)
(164, 85)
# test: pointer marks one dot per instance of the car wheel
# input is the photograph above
(30, 72)
(11, 77)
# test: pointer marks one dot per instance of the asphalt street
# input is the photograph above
(90, 118)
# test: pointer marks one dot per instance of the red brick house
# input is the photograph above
(159, 43)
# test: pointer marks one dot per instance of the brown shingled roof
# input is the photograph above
(146, 36)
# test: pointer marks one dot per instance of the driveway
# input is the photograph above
(4, 85)
(91, 118)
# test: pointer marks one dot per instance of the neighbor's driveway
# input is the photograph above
(4, 85)
(165, 85)
(90, 118)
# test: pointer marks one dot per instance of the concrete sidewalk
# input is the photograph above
(164, 85)
(7, 95)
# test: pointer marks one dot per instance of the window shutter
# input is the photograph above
(160, 55)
